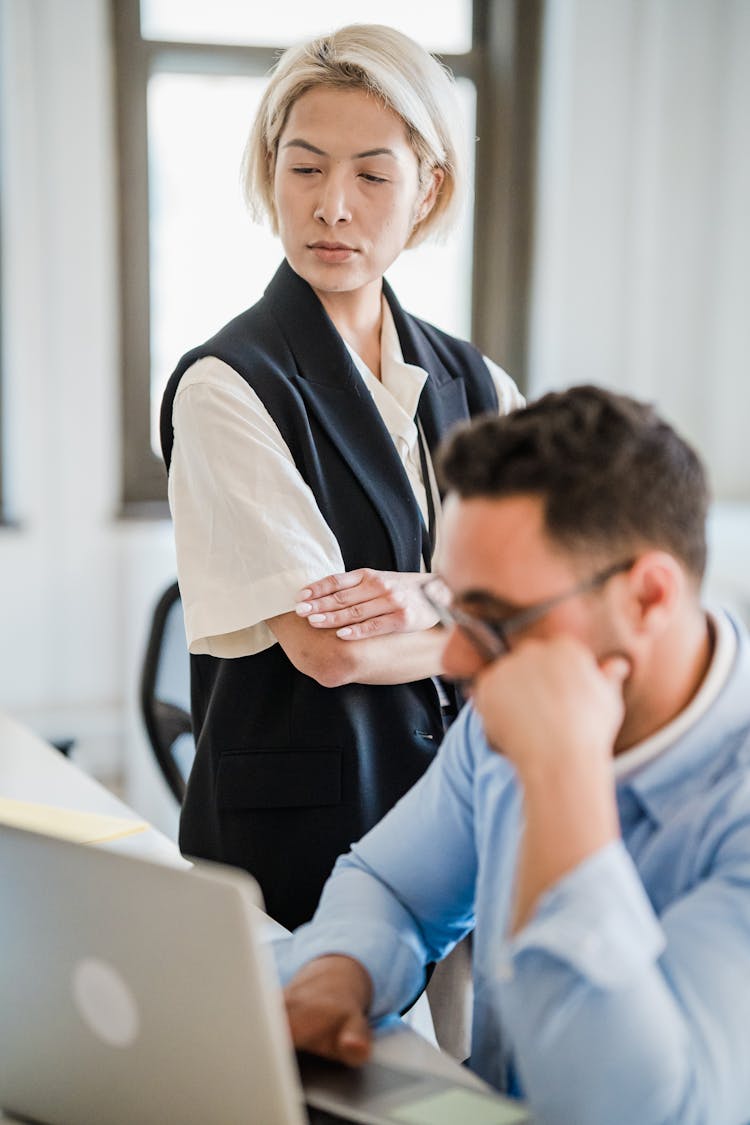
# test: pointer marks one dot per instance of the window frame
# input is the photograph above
(3, 511)
(4, 519)
(503, 64)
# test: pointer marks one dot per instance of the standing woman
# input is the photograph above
(298, 442)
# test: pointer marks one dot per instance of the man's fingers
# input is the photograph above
(348, 1040)
(616, 668)
(313, 1029)
(326, 1004)
(354, 1042)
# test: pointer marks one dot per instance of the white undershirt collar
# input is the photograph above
(398, 390)
(725, 650)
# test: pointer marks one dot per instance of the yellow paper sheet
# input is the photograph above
(67, 824)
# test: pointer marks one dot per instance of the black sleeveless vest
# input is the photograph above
(287, 773)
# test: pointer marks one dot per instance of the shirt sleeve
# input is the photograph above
(617, 1015)
(393, 916)
(508, 395)
(248, 531)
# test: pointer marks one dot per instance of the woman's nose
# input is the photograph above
(333, 203)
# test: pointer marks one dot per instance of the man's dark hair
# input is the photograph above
(613, 475)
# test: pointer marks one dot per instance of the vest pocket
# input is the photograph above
(279, 779)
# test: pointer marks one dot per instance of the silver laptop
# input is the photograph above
(135, 992)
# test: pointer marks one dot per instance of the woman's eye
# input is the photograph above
(304, 171)
(373, 179)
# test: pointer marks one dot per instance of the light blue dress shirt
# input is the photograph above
(626, 999)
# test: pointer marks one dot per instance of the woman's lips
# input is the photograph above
(332, 251)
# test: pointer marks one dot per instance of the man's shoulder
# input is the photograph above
(729, 713)
(466, 731)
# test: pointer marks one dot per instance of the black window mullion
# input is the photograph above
(507, 94)
(143, 474)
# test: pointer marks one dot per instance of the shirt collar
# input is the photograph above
(665, 769)
(398, 390)
(404, 380)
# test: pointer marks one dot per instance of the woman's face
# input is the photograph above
(346, 186)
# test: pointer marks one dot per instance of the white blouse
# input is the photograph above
(248, 531)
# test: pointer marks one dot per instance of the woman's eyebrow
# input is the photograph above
(375, 152)
(297, 142)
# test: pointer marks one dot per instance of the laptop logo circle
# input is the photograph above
(105, 1003)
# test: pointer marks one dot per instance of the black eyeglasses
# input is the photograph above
(490, 638)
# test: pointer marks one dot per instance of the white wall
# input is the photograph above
(78, 583)
(642, 260)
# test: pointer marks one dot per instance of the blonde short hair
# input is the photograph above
(391, 67)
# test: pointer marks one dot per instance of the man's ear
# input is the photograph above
(654, 586)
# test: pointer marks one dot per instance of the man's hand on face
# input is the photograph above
(327, 1003)
(550, 703)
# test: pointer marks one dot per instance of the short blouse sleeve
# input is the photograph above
(508, 395)
(248, 531)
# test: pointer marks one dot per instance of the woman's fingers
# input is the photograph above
(351, 615)
(333, 583)
(340, 591)
(375, 627)
(366, 603)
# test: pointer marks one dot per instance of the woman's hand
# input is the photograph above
(366, 603)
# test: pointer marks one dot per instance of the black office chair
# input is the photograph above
(165, 692)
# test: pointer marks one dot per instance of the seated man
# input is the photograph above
(589, 811)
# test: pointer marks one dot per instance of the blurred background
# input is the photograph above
(607, 240)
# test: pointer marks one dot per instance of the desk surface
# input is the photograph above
(32, 770)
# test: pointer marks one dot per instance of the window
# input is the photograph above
(190, 76)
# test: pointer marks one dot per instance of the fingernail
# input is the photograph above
(316, 617)
(302, 608)
(304, 594)
(342, 632)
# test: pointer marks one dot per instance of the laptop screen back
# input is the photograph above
(131, 991)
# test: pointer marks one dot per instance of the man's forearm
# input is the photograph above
(569, 815)
(554, 711)
(360, 918)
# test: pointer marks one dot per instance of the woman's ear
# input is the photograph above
(273, 215)
(429, 194)
(271, 169)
